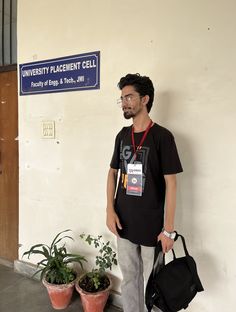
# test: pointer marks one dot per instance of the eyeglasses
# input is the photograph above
(127, 99)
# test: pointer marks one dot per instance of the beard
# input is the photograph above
(128, 114)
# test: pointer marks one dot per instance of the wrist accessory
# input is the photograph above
(170, 235)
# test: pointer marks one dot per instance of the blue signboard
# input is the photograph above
(71, 73)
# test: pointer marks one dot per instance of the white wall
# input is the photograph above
(188, 49)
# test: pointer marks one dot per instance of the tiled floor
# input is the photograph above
(21, 294)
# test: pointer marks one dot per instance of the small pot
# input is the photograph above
(60, 295)
(93, 302)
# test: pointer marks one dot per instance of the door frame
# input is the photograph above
(14, 247)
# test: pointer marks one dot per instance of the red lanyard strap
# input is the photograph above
(142, 140)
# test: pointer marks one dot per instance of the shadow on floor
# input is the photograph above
(22, 294)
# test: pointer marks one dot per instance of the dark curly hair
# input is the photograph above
(142, 84)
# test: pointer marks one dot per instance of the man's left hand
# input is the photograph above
(166, 242)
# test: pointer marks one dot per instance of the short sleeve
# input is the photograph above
(170, 161)
(115, 161)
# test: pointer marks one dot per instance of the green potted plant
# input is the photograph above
(55, 269)
(94, 286)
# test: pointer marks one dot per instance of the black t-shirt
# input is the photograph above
(142, 216)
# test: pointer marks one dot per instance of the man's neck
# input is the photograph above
(141, 122)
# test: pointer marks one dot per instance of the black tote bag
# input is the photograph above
(172, 287)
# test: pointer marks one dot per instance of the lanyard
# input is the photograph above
(142, 140)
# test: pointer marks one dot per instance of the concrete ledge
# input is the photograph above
(26, 269)
(29, 269)
(116, 299)
(6, 263)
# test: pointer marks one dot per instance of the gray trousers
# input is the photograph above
(136, 264)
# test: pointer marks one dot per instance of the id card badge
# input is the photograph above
(134, 181)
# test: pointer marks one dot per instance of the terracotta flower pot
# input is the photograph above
(93, 302)
(60, 295)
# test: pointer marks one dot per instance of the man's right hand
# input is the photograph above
(113, 222)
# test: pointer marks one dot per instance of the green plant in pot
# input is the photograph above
(55, 269)
(94, 286)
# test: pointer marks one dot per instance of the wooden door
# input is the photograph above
(8, 166)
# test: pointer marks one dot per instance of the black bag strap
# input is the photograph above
(158, 250)
(192, 266)
(190, 261)
(183, 243)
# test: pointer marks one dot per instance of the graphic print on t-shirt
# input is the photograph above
(127, 157)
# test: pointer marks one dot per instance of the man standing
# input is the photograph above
(146, 155)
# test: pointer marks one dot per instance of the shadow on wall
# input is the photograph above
(168, 114)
